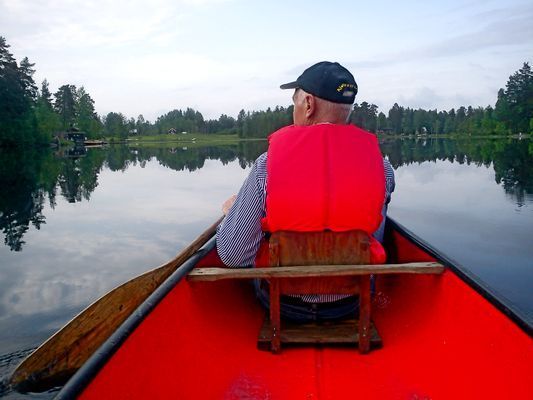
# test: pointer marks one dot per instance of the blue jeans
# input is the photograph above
(308, 312)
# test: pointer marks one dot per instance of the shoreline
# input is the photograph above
(216, 139)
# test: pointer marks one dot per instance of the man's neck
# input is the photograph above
(325, 121)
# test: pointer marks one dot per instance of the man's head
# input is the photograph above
(324, 92)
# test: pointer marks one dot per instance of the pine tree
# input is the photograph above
(15, 107)
(47, 120)
(382, 121)
(65, 105)
(26, 72)
(46, 96)
(86, 117)
(460, 117)
(365, 116)
(395, 118)
(6, 58)
(141, 125)
(407, 123)
(515, 104)
(449, 123)
(240, 122)
(115, 125)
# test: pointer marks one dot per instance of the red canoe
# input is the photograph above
(444, 336)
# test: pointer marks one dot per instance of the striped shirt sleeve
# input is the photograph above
(239, 235)
(390, 183)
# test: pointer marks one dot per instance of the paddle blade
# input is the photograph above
(67, 350)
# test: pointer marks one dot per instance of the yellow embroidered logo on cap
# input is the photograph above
(345, 86)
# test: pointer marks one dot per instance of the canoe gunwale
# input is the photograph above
(88, 371)
(496, 299)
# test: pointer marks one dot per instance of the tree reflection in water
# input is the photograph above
(512, 159)
(31, 177)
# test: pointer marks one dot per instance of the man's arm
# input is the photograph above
(239, 235)
(390, 182)
(389, 188)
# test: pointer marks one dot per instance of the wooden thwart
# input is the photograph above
(302, 271)
(338, 332)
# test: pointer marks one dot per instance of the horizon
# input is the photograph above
(218, 57)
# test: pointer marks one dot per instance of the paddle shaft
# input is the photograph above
(67, 350)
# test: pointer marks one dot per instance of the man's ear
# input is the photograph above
(310, 106)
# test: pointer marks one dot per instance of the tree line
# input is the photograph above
(512, 114)
(251, 124)
(34, 116)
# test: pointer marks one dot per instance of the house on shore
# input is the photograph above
(73, 134)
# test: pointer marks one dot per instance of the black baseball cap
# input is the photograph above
(327, 80)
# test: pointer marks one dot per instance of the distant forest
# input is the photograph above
(32, 115)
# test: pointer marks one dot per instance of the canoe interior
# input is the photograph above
(441, 340)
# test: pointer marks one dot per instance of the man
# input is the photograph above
(310, 188)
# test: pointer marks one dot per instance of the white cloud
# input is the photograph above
(66, 25)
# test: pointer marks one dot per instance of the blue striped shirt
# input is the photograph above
(239, 235)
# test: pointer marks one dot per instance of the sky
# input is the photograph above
(221, 56)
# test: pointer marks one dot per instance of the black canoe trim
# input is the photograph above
(496, 299)
(92, 366)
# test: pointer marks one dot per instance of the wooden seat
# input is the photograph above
(317, 263)
(288, 249)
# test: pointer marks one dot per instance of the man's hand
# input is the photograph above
(228, 203)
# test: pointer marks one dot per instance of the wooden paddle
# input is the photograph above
(67, 350)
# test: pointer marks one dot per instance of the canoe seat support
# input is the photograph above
(318, 263)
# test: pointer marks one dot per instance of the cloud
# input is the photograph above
(429, 99)
(61, 25)
(501, 28)
(514, 29)
(423, 97)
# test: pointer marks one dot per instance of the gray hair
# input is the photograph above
(338, 111)
(328, 111)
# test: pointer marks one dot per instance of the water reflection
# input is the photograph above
(29, 178)
(512, 159)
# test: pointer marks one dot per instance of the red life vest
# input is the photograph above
(325, 176)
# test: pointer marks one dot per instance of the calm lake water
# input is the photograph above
(77, 223)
